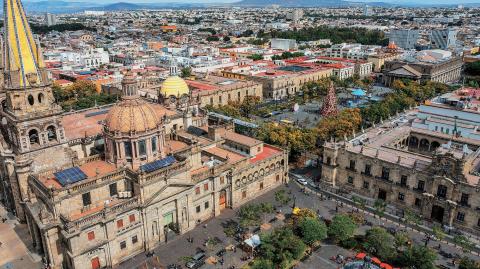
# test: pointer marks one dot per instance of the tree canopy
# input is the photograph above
(312, 230)
(380, 243)
(341, 228)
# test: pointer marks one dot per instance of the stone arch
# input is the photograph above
(34, 137)
(434, 145)
(424, 144)
(31, 100)
(41, 98)
(51, 133)
(413, 141)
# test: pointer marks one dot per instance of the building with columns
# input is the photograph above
(433, 174)
(99, 186)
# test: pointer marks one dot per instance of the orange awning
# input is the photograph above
(360, 256)
(386, 266)
(376, 260)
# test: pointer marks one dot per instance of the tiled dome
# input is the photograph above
(174, 86)
(133, 115)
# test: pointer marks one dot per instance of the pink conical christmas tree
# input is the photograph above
(330, 103)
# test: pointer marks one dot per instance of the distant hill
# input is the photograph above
(122, 6)
(294, 3)
(58, 6)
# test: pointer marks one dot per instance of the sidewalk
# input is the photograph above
(15, 240)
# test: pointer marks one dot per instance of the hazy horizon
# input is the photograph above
(450, 2)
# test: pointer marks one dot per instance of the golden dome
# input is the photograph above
(175, 86)
(132, 115)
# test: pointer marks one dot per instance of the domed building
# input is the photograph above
(174, 91)
(134, 133)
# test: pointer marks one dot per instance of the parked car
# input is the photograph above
(302, 181)
(197, 261)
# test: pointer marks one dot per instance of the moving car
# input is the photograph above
(197, 261)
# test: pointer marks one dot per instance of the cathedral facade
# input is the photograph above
(100, 186)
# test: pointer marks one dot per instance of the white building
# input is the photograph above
(283, 44)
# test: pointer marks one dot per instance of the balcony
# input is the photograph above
(419, 190)
(402, 185)
(352, 169)
(464, 204)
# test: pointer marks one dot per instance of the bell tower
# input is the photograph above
(31, 117)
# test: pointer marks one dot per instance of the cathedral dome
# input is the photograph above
(133, 115)
(174, 86)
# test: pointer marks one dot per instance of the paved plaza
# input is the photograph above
(14, 245)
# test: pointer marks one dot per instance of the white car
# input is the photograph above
(302, 181)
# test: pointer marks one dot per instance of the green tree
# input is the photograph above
(411, 217)
(248, 105)
(463, 242)
(256, 57)
(186, 72)
(341, 228)
(282, 197)
(379, 243)
(281, 247)
(312, 230)
(262, 264)
(380, 206)
(467, 263)
(438, 232)
(418, 256)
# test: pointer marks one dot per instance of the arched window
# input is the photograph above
(40, 97)
(31, 100)
(33, 136)
(51, 133)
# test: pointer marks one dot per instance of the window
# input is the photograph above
(403, 180)
(86, 199)
(461, 216)
(91, 235)
(401, 196)
(464, 199)
(197, 209)
(207, 205)
(220, 99)
(222, 180)
(128, 149)
(134, 239)
(113, 189)
(421, 185)
(350, 180)
(418, 202)
(442, 191)
(123, 245)
(197, 190)
(261, 185)
(277, 178)
(385, 173)
(120, 223)
(366, 184)
(478, 223)
(205, 187)
(352, 165)
(131, 218)
(244, 194)
(154, 144)
(329, 160)
(142, 147)
(368, 169)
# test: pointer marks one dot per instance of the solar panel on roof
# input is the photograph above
(159, 164)
(70, 176)
(93, 114)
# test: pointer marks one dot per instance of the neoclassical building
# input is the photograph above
(434, 174)
(99, 186)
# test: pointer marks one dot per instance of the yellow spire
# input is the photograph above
(23, 58)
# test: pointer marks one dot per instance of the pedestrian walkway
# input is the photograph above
(14, 240)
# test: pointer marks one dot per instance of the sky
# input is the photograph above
(232, 1)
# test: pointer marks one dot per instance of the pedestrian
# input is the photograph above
(1, 244)
(336, 209)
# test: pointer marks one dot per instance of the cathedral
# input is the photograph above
(100, 186)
